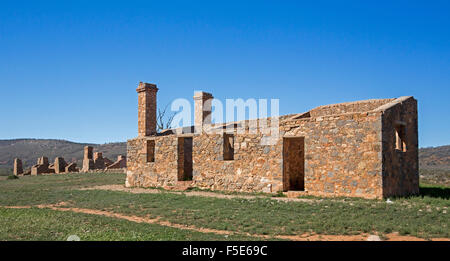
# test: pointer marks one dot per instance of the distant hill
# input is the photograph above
(29, 150)
(435, 157)
(434, 165)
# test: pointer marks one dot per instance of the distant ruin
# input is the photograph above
(96, 162)
(18, 169)
(92, 162)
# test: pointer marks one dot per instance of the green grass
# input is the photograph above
(424, 216)
(45, 224)
(5, 171)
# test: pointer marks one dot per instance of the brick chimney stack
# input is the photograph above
(146, 109)
(203, 107)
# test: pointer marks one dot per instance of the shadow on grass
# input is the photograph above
(435, 192)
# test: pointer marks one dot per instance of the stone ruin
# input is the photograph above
(42, 166)
(92, 162)
(363, 149)
(18, 169)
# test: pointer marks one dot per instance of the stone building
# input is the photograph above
(360, 149)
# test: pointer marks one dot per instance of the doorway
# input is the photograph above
(294, 163)
(185, 158)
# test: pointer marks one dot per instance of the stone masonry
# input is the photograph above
(92, 162)
(88, 160)
(59, 165)
(363, 149)
(18, 168)
(41, 167)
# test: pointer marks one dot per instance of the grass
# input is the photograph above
(5, 171)
(45, 224)
(435, 176)
(425, 215)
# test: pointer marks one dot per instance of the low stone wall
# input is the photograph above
(348, 107)
(161, 172)
(121, 170)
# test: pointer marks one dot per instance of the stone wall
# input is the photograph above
(161, 172)
(348, 107)
(120, 163)
(400, 167)
(18, 168)
(60, 165)
(344, 153)
(255, 167)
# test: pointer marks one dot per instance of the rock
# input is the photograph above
(373, 238)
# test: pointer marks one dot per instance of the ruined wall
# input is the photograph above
(342, 158)
(255, 167)
(18, 168)
(342, 154)
(401, 168)
(345, 154)
(348, 107)
(60, 165)
(161, 172)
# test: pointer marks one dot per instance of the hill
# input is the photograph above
(434, 165)
(435, 157)
(28, 150)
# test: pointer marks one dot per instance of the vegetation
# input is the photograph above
(425, 215)
(5, 171)
(46, 224)
(434, 165)
(435, 157)
(435, 176)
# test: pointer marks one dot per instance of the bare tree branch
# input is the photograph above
(164, 121)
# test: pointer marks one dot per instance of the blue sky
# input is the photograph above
(69, 69)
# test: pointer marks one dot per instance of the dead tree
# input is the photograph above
(164, 121)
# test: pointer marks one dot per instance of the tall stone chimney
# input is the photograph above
(18, 167)
(203, 107)
(146, 109)
(88, 162)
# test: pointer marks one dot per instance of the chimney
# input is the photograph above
(87, 152)
(146, 109)
(202, 104)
